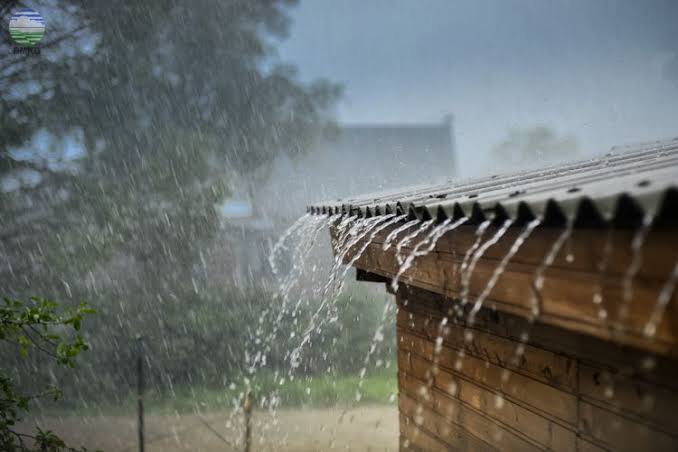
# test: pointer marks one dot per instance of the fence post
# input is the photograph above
(247, 410)
(140, 390)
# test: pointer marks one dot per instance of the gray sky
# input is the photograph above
(595, 69)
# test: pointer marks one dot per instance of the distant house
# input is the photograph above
(379, 157)
(363, 158)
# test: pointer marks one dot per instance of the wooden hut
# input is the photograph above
(572, 345)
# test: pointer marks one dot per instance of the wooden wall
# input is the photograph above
(569, 285)
(568, 391)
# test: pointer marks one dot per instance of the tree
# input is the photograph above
(535, 145)
(169, 103)
(36, 325)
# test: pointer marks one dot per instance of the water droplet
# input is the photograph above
(647, 402)
(438, 345)
(468, 336)
(648, 363)
(452, 388)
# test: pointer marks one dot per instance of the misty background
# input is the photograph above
(153, 152)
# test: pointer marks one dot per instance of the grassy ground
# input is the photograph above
(316, 392)
(320, 413)
(365, 428)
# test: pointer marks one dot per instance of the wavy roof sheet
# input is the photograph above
(622, 187)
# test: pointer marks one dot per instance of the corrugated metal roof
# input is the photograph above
(621, 187)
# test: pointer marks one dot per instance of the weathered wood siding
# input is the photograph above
(569, 285)
(567, 392)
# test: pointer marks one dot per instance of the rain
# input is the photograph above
(305, 225)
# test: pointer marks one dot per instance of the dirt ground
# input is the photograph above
(359, 429)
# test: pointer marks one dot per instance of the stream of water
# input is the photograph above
(663, 300)
(425, 246)
(414, 239)
(631, 271)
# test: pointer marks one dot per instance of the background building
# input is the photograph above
(361, 158)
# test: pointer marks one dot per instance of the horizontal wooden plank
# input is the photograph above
(569, 287)
(552, 368)
(646, 403)
(543, 431)
(440, 427)
(416, 438)
(620, 433)
(542, 398)
(567, 299)
(428, 308)
(584, 445)
(444, 415)
(619, 398)
(586, 248)
(653, 369)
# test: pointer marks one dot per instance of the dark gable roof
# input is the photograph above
(621, 188)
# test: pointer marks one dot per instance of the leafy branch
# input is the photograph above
(37, 325)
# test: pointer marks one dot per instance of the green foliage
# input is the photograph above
(203, 340)
(31, 325)
(377, 388)
(321, 390)
(36, 325)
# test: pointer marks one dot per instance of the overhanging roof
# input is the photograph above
(621, 187)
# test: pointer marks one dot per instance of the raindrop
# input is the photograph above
(408, 238)
(502, 264)
(394, 234)
(665, 295)
(466, 275)
(425, 246)
(632, 269)
(648, 363)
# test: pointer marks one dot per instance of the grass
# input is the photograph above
(331, 391)
(319, 391)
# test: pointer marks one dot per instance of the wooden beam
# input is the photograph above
(567, 296)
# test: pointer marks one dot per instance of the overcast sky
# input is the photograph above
(596, 69)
